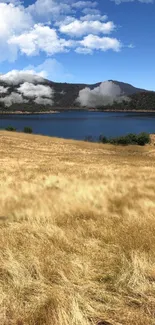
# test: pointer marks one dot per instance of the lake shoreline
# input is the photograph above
(74, 110)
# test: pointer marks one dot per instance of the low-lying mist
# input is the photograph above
(26, 87)
(105, 94)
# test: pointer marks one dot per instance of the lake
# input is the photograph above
(78, 125)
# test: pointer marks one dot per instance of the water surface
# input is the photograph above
(78, 125)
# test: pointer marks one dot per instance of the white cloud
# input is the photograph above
(13, 19)
(36, 28)
(78, 28)
(3, 89)
(13, 98)
(83, 4)
(43, 101)
(49, 9)
(142, 1)
(41, 38)
(15, 2)
(67, 20)
(90, 11)
(53, 70)
(131, 46)
(83, 50)
(91, 17)
(16, 77)
(41, 94)
(30, 90)
(103, 95)
(93, 42)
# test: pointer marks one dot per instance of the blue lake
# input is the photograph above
(78, 125)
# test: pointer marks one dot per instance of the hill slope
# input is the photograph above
(128, 89)
(77, 229)
(40, 94)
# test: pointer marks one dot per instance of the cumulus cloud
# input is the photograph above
(91, 11)
(83, 4)
(37, 27)
(78, 28)
(41, 38)
(83, 50)
(15, 2)
(30, 90)
(93, 42)
(43, 101)
(91, 17)
(118, 2)
(13, 98)
(49, 9)
(3, 89)
(16, 77)
(40, 94)
(53, 70)
(105, 94)
(13, 19)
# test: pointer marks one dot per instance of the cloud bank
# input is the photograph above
(79, 28)
(3, 89)
(105, 94)
(118, 2)
(51, 27)
(26, 88)
(43, 101)
(41, 94)
(30, 90)
(13, 98)
(15, 77)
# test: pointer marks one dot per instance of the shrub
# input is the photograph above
(103, 139)
(131, 138)
(27, 129)
(143, 138)
(10, 128)
(122, 140)
(112, 140)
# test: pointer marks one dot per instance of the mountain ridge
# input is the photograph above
(60, 95)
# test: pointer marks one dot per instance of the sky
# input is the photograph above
(84, 41)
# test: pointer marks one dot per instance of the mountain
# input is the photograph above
(127, 88)
(23, 92)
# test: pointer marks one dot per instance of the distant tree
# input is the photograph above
(131, 138)
(103, 139)
(27, 129)
(10, 128)
(143, 138)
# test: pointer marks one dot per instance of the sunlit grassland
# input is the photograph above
(77, 232)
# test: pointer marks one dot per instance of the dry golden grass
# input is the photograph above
(77, 232)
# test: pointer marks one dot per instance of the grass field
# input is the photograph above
(77, 232)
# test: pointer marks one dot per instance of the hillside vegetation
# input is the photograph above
(77, 230)
(65, 97)
(142, 101)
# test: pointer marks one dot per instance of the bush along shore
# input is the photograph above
(26, 129)
(129, 139)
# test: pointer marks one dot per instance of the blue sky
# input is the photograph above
(80, 41)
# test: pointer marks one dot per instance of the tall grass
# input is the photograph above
(77, 229)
